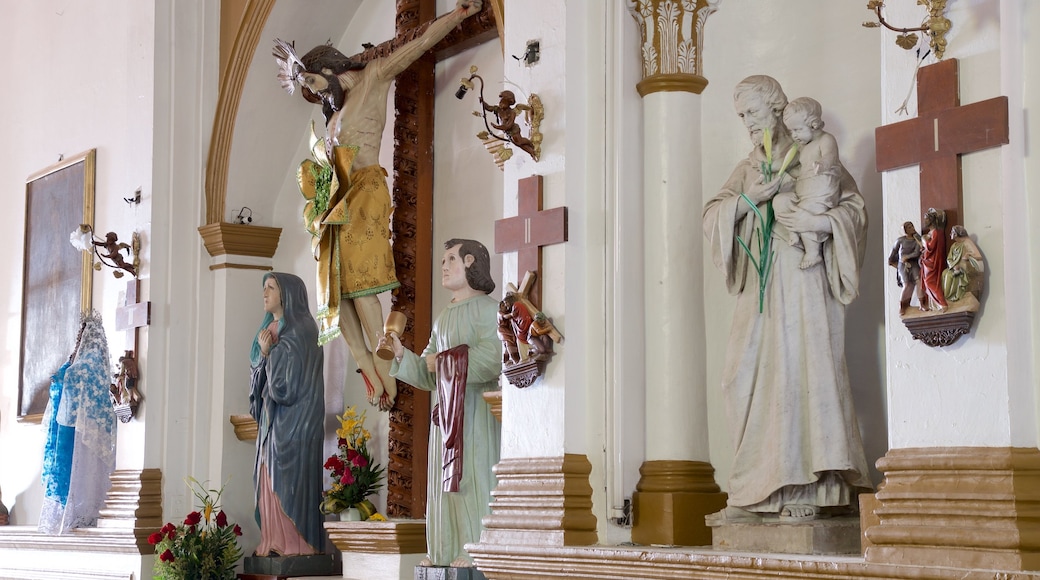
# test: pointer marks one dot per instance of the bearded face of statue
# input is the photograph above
(757, 115)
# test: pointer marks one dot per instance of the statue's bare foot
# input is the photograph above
(390, 393)
(461, 562)
(370, 390)
(385, 402)
(732, 515)
(389, 383)
(808, 261)
(794, 512)
(426, 561)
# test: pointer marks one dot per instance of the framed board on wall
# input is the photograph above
(56, 278)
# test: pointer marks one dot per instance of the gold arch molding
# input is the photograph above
(254, 18)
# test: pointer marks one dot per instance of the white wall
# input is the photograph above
(98, 60)
(978, 391)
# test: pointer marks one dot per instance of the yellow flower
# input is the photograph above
(789, 157)
(376, 517)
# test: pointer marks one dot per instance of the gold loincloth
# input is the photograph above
(351, 237)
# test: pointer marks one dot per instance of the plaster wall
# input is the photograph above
(105, 55)
(534, 418)
(963, 395)
(147, 110)
(1029, 122)
(1020, 171)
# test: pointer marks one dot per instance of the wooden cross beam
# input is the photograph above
(529, 230)
(941, 133)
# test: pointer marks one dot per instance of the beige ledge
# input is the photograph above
(637, 563)
(245, 427)
(100, 540)
(494, 400)
(240, 240)
(391, 537)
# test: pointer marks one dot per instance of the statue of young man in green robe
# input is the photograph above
(461, 362)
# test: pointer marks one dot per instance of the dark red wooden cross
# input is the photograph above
(942, 131)
(529, 230)
(133, 314)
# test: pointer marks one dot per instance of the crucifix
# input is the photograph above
(941, 133)
(530, 230)
(131, 316)
(413, 229)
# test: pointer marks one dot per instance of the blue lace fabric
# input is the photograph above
(79, 455)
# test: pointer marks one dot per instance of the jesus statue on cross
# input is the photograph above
(351, 227)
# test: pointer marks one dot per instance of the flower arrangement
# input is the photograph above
(204, 547)
(354, 475)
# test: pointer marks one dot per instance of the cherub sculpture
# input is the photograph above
(508, 130)
(505, 112)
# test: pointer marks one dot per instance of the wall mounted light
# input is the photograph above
(109, 250)
(935, 25)
(506, 129)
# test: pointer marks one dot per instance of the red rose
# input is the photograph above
(334, 464)
(221, 519)
(237, 530)
(167, 528)
(348, 478)
(192, 519)
(352, 455)
(170, 534)
(342, 442)
(167, 556)
(155, 538)
(360, 460)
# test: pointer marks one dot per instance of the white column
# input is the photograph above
(676, 397)
(677, 486)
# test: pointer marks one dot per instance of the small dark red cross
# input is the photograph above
(529, 230)
(942, 131)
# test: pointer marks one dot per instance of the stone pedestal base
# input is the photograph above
(671, 501)
(291, 566)
(826, 536)
(542, 501)
(963, 507)
(360, 566)
(444, 573)
(379, 550)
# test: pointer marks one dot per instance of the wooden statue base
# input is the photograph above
(942, 328)
(523, 374)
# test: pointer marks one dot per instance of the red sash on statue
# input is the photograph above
(452, 369)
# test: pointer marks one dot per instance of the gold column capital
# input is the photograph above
(672, 43)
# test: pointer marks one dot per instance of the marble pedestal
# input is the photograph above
(445, 573)
(379, 550)
(826, 536)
